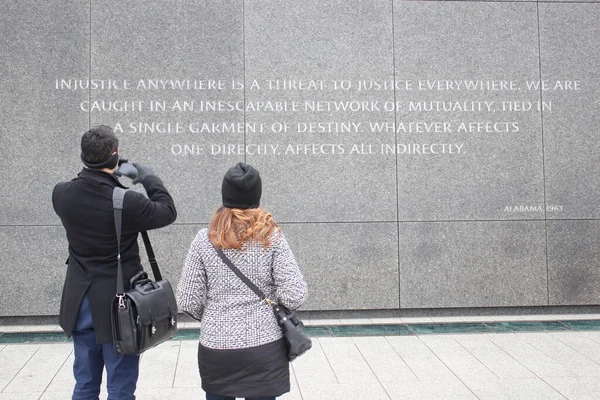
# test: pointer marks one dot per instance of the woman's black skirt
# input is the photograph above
(262, 371)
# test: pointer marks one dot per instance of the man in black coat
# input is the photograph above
(85, 208)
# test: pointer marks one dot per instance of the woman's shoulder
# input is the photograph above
(277, 238)
(201, 238)
(203, 233)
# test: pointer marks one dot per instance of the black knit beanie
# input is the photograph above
(105, 133)
(242, 187)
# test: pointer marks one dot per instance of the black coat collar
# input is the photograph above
(97, 177)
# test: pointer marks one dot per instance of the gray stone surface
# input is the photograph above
(347, 266)
(472, 264)
(385, 363)
(312, 376)
(570, 52)
(329, 255)
(32, 252)
(340, 210)
(531, 389)
(421, 360)
(33, 261)
(434, 390)
(576, 388)
(325, 44)
(40, 369)
(13, 359)
(587, 344)
(314, 369)
(170, 245)
(468, 41)
(40, 125)
(494, 1)
(494, 358)
(541, 364)
(461, 361)
(573, 253)
(331, 268)
(569, 1)
(347, 361)
(192, 41)
(579, 364)
(159, 366)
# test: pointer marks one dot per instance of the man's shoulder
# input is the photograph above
(132, 198)
(61, 195)
(61, 186)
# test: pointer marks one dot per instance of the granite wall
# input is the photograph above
(419, 154)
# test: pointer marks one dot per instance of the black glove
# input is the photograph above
(142, 172)
(128, 170)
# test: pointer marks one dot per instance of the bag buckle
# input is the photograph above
(269, 301)
(121, 300)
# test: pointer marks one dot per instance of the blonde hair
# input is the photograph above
(231, 228)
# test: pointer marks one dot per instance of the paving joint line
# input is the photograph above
(57, 371)
(576, 350)
(328, 362)
(557, 360)
(296, 380)
(529, 369)
(176, 365)
(369, 365)
(21, 369)
(399, 355)
(475, 357)
(450, 369)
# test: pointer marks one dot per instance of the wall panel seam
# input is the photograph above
(539, 38)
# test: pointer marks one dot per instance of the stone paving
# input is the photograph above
(523, 365)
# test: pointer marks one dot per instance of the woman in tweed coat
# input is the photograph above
(241, 351)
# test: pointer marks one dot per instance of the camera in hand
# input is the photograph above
(127, 169)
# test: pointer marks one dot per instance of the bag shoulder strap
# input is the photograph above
(239, 273)
(151, 257)
(118, 200)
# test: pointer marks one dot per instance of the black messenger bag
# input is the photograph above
(146, 314)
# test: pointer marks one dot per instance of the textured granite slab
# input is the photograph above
(42, 42)
(472, 264)
(569, 60)
(347, 266)
(177, 60)
(327, 166)
(573, 276)
(470, 147)
(33, 261)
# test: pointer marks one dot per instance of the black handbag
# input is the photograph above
(296, 341)
(146, 314)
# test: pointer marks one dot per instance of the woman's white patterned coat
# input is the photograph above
(231, 314)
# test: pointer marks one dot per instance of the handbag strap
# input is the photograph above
(118, 197)
(240, 275)
(151, 257)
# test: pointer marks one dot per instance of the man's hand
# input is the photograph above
(128, 170)
(142, 172)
